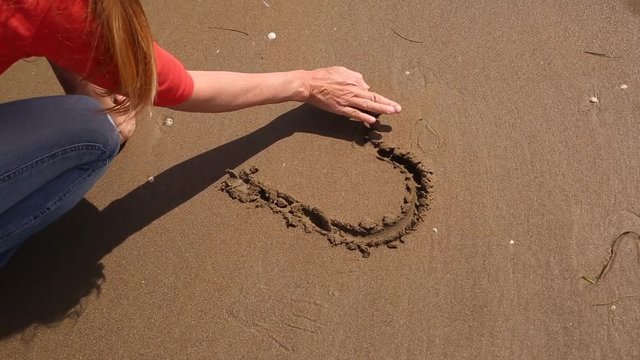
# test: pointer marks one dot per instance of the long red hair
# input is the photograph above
(125, 36)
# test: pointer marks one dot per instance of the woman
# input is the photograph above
(54, 149)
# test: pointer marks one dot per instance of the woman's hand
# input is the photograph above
(344, 92)
(125, 123)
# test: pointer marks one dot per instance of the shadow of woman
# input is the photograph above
(48, 278)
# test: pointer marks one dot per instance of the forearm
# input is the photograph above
(73, 84)
(68, 80)
(221, 91)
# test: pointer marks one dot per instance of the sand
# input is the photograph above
(531, 186)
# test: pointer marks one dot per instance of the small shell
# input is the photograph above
(271, 36)
(624, 87)
(594, 100)
(151, 180)
(168, 121)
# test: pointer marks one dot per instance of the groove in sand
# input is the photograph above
(391, 229)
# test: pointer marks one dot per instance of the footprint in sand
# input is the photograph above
(388, 231)
(426, 137)
(416, 85)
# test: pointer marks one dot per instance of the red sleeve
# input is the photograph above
(5, 64)
(175, 85)
(17, 26)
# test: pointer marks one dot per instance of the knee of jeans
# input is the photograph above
(97, 126)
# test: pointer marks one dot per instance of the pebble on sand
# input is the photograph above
(151, 180)
(167, 121)
(594, 100)
(624, 87)
(435, 230)
(271, 36)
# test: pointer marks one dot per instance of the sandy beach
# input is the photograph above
(524, 116)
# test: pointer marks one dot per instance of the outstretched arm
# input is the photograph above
(335, 89)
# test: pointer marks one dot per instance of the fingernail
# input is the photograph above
(398, 108)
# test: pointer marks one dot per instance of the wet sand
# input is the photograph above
(531, 185)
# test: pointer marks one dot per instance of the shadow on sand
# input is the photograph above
(47, 279)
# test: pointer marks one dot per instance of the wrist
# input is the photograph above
(300, 82)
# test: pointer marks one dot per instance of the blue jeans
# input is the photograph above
(52, 151)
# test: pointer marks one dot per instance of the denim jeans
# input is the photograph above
(52, 151)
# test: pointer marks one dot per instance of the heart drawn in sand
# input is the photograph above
(388, 231)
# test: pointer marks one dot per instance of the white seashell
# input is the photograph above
(168, 121)
(624, 86)
(151, 180)
(272, 36)
(594, 100)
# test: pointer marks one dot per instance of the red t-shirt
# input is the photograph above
(58, 30)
